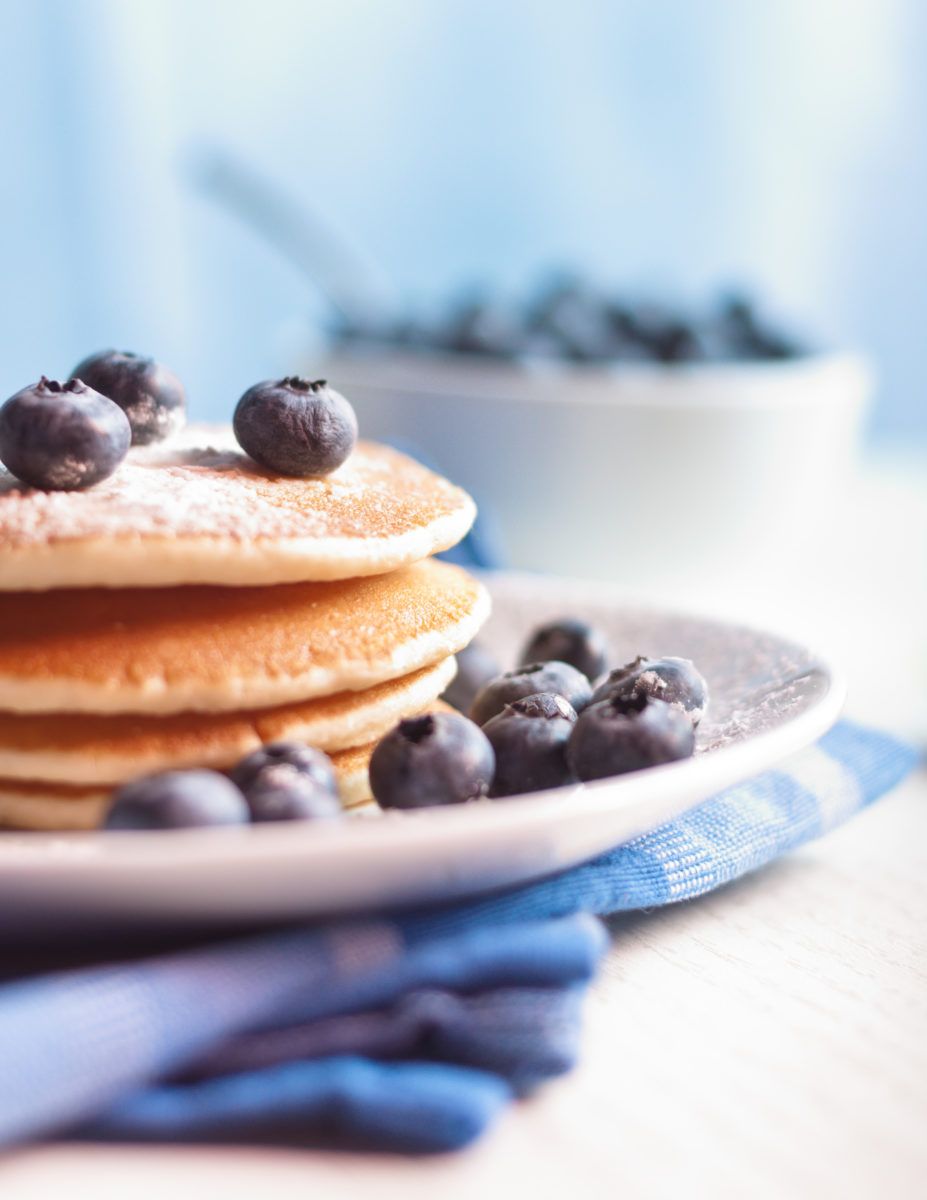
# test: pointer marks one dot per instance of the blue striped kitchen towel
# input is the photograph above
(408, 1033)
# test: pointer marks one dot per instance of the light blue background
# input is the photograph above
(677, 143)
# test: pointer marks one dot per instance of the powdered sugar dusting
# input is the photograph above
(200, 485)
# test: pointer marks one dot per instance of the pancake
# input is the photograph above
(100, 749)
(55, 807)
(351, 768)
(89, 749)
(197, 510)
(226, 649)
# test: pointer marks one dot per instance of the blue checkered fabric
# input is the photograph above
(408, 1033)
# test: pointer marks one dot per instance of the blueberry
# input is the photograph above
(666, 335)
(571, 312)
(475, 667)
(678, 342)
(737, 310)
(749, 336)
(676, 681)
(295, 426)
(484, 327)
(297, 757)
(642, 322)
(177, 800)
(623, 347)
(439, 758)
(530, 739)
(571, 641)
(288, 781)
(150, 395)
(557, 677)
(622, 318)
(62, 437)
(614, 736)
(283, 793)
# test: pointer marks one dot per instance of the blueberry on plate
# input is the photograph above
(282, 793)
(288, 781)
(529, 738)
(62, 437)
(150, 395)
(614, 736)
(676, 681)
(571, 641)
(296, 756)
(475, 667)
(553, 676)
(438, 758)
(177, 800)
(294, 426)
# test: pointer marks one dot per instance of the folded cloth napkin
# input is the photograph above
(407, 1033)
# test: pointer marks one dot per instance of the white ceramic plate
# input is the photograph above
(769, 698)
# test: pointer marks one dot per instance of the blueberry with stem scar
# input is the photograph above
(615, 736)
(62, 437)
(557, 677)
(677, 681)
(296, 427)
(438, 758)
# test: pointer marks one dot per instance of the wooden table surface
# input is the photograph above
(769, 1039)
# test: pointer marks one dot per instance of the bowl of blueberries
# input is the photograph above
(614, 438)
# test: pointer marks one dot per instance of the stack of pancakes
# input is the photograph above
(195, 606)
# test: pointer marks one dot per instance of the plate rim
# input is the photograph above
(118, 853)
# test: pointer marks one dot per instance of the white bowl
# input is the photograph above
(631, 473)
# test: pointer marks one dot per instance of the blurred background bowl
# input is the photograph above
(642, 474)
